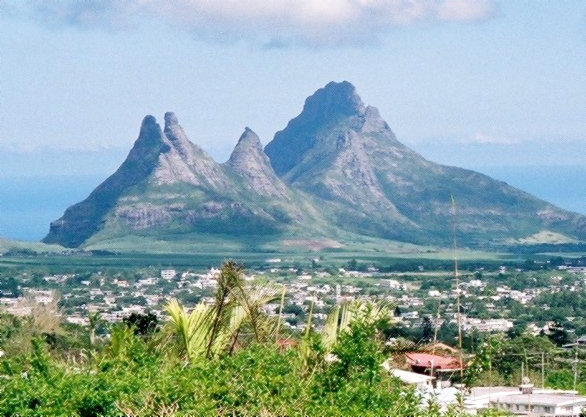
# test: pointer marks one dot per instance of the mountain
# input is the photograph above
(169, 187)
(336, 170)
(346, 156)
(249, 161)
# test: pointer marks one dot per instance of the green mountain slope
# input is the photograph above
(347, 157)
(335, 173)
(168, 188)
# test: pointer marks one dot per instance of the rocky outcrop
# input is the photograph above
(188, 162)
(326, 106)
(346, 156)
(249, 161)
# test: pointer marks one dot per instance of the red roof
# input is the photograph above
(426, 360)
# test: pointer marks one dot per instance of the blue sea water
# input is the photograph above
(29, 204)
(564, 186)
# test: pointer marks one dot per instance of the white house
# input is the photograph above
(168, 274)
(526, 402)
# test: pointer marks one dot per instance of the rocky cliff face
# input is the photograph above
(187, 162)
(347, 156)
(328, 105)
(335, 167)
(249, 161)
(169, 183)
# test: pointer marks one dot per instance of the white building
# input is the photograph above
(526, 402)
(168, 274)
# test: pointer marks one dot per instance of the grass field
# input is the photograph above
(210, 251)
(55, 263)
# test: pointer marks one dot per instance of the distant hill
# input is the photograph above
(18, 247)
(336, 170)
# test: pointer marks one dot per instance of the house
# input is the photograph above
(412, 378)
(425, 363)
(580, 342)
(168, 274)
(526, 401)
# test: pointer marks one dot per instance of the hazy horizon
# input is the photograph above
(29, 204)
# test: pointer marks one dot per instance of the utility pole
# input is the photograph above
(542, 370)
(457, 279)
(575, 369)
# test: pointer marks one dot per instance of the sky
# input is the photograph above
(473, 83)
(457, 76)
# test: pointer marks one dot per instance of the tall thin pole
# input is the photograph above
(437, 316)
(457, 279)
(576, 369)
(542, 370)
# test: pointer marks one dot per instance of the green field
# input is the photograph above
(77, 262)
(207, 251)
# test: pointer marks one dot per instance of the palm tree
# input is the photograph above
(338, 321)
(193, 328)
(230, 278)
(209, 330)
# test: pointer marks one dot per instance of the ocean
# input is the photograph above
(29, 204)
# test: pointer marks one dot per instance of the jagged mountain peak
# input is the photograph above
(333, 100)
(249, 162)
(248, 150)
(171, 119)
(174, 132)
(148, 121)
(249, 138)
(150, 130)
(185, 162)
(151, 141)
(337, 101)
(373, 122)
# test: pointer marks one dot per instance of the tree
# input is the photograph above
(427, 330)
(558, 335)
(209, 330)
(142, 324)
(229, 279)
(352, 265)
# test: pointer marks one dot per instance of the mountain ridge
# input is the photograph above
(337, 167)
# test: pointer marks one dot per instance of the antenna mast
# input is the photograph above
(457, 279)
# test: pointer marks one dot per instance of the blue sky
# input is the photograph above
(468, 83)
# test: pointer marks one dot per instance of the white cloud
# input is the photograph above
(277, 22)
(27, 148)
(483, 138)
(465, 10)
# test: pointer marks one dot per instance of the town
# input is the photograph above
(491, 301)
(538, 305)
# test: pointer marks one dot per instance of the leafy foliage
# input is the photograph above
(138, 371)
(142, 324)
